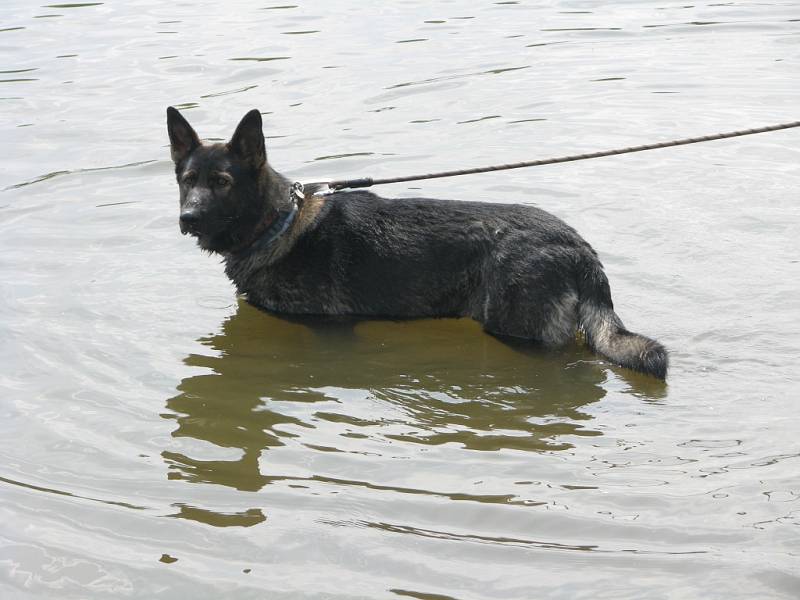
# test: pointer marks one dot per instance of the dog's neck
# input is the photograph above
(276, 190)
(276, 194)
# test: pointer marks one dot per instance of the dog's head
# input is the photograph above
(222, 186)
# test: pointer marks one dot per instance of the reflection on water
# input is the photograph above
(424, 459)
(420, 382)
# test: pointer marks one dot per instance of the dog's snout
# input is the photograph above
(190, 217)
(189, 220)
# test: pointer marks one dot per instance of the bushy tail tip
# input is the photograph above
(608, 337)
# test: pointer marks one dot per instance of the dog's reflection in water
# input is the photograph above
(269, 382)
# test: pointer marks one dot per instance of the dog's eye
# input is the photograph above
(189, 179)
(221, 181)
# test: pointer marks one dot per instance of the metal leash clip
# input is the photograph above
(297, 193)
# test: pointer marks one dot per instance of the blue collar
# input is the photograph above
(282, 222)
(277, 229)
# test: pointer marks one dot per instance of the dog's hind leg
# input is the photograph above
(533, 299)
(560, 320)
(550, 321)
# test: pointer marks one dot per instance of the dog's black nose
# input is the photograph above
(189, 220)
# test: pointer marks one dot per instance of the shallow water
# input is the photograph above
(162, 439)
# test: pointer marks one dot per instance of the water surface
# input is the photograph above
(163, 439)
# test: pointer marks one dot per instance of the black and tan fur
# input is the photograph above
(521, 272)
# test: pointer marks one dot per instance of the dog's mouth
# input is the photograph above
(207, 240)
(189, 228)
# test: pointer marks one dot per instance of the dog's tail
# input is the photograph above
(605, 332)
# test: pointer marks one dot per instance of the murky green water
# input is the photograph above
(161, 439)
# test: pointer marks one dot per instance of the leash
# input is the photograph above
(369, 181)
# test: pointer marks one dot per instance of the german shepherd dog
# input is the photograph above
(518, 270)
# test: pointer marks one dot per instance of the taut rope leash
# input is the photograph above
(368, 181)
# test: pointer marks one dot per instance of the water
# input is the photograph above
(162, 439)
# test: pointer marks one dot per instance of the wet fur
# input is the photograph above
(518, 270)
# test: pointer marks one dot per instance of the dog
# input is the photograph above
(519, 271)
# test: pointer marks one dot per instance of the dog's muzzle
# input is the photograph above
(190, 222)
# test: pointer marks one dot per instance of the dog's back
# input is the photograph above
(412, 257)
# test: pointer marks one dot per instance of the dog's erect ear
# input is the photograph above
(248, 140)
(182, 137)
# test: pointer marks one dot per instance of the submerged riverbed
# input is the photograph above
(163, 439)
